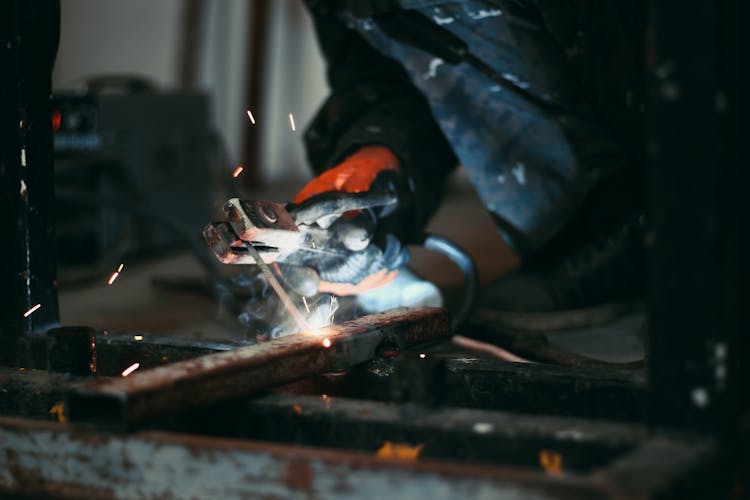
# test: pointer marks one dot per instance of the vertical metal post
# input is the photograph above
(29, 33)
(257, 46)
(698, 190)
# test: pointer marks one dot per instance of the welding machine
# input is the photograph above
(119, 156)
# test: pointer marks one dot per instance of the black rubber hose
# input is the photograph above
(463, 260)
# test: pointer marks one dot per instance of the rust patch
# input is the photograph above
(399, 451)
(299, 476)
(59, 411)
(551, 461)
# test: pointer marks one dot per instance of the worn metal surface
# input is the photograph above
(456, 434)
(446, 379)
(447, 433)
(591, 391)
(460, 379)
(207, 379)
(116, 350)
(71, 349)
(53, 460)
(31, 393)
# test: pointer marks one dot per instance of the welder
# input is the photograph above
(540, 102)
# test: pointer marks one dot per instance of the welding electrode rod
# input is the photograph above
(146, 394)
(302, 323)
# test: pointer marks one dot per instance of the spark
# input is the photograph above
(237, 171)
(326, 343)
(321, 316)
(422, 355)
(31, 311)
(250, 115)
(115, 274)
(334, 306)
(307, 308)
(138, 337)
(130, 369)
(291, 120)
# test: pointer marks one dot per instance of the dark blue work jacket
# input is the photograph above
(540, 101)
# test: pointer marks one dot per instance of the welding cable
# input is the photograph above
(195, 244)
(491, 349)
(463, 260)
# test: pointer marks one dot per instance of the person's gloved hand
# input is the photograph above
(353, 175)
(377, 263)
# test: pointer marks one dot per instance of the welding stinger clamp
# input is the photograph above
(310, 241)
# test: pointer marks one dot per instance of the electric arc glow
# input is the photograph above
(326, 343)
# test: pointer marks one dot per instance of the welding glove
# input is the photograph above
(371, 258)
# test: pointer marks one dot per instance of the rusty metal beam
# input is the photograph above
(444, 433)
(125, 402)
(40, 459)
(591, 392)
(116, 350)
(614, 393)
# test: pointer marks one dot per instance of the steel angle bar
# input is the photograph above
(165, 390)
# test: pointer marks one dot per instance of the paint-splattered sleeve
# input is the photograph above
(373, 101)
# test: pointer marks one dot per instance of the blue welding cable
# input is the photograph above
(463, 260)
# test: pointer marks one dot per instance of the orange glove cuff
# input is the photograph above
(353, 175)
